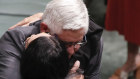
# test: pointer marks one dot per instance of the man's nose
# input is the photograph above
(72, 49)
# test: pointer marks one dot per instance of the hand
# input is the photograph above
(73, 72)
(75, 67)
(28, 20)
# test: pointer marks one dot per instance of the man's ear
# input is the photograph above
(44, 27)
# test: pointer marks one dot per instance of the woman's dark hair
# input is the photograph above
(44, 59)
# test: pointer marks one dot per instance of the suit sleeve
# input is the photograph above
(11, 49)
(9, 66)
(11, 46)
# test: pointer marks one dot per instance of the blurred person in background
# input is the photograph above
(124, 17)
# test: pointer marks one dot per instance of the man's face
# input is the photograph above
(71, 38)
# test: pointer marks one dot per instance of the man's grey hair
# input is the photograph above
(66, 15)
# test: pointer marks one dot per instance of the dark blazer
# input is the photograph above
(90, 54)
(12, 47)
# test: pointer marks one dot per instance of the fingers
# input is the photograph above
(73, 72)
(75, 67)
(78, 77)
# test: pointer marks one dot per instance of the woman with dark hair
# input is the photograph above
(43, 58)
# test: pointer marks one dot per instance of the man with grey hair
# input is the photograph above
(69, 22)
(68, 19)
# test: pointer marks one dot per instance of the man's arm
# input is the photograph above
(10, 54)
(11, 49)
(9, 66)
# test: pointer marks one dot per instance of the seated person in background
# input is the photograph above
(44, 59)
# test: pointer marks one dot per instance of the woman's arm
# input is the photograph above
(28, 20)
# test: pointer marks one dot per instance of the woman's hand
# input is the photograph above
(28, 20)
